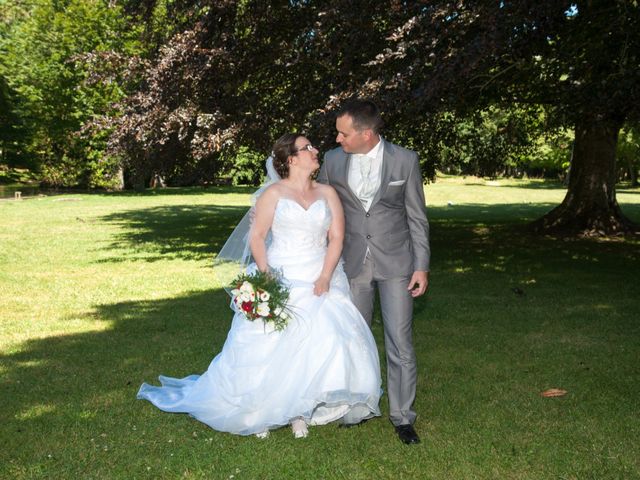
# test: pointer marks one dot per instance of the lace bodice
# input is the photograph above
(298, 231)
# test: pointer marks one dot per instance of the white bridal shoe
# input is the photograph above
(264, 434)
(299, 428)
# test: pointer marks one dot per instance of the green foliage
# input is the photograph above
(244, 167)
(179, 86)
(12, 132)
(629, 153)
(551, 156)
(44, 46)
(488, 143)
(495, 139)
(10, 175)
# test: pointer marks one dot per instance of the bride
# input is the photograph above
(324, 365)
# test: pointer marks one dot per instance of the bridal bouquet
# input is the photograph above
(262, 296)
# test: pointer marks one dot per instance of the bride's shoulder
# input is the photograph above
(271, 194)
(275, 189)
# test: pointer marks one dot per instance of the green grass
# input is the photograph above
(99, 293)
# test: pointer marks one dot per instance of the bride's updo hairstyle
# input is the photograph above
(284, 147)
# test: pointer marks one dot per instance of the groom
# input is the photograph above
(386, 241)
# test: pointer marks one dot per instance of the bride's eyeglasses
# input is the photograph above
(308, 147)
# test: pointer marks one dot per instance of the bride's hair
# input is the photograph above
(284, 147)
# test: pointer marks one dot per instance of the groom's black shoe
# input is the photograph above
(407, 434)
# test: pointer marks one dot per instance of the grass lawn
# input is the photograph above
(99, 293)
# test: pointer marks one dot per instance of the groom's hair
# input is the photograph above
(364, 113)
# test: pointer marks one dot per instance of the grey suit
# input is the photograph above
(395, 230)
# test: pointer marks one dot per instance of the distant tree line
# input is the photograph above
(107, 93)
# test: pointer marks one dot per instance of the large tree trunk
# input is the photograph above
(119, 179)
(590, 206)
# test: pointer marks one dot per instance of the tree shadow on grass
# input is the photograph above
(84, 383)
(629, 190)
(179, 336)
(488, 214)
(490, 248)
(62, 392)
(199, 231)
(182, 191)
(530, 185)
(178, 231)
(71, 397)
(518, 215)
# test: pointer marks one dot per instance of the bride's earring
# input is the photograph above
(299, 428)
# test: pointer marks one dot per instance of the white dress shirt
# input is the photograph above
(365, 174)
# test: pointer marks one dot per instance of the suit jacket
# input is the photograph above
(395, 229)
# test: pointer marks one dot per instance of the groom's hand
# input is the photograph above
(419, 283)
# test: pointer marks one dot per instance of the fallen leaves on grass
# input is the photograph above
(553, 392)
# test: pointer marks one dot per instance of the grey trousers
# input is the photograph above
(397, 315)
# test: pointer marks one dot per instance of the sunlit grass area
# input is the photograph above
(99, 293)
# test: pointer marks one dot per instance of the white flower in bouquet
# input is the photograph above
(263, 309)
(264, 296)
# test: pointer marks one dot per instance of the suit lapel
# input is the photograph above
(387, 158)
(345, 176)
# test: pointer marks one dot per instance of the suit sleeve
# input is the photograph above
(417, 218)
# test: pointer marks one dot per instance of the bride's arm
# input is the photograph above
(264, 210)
(334, 249)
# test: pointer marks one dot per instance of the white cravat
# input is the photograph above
(364, 174)
(366, 189)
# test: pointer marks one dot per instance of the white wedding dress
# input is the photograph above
(323, 367)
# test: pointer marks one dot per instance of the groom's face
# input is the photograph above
(351, 140)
